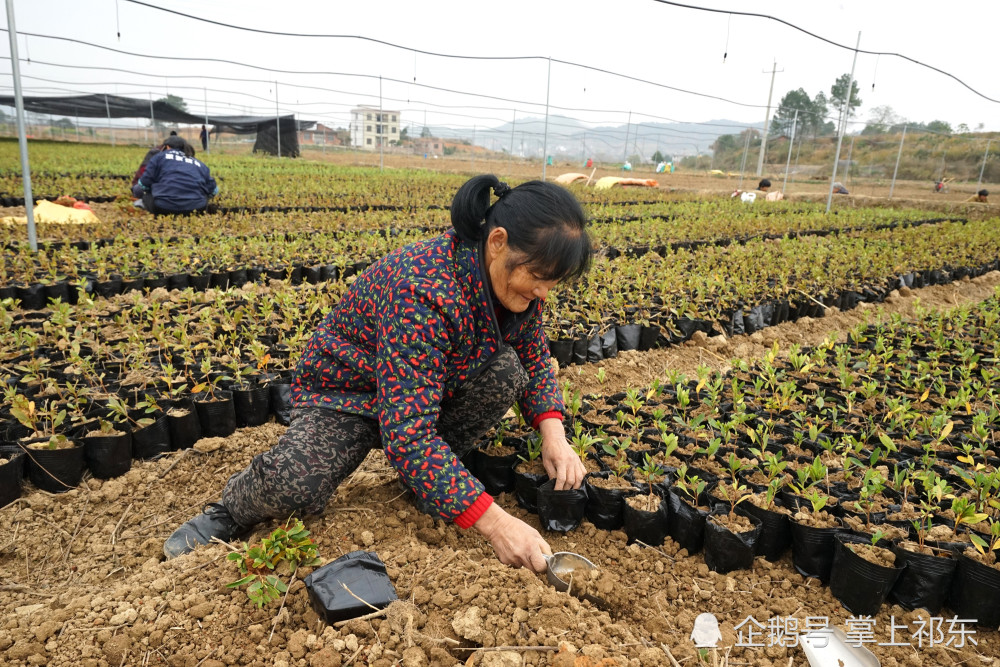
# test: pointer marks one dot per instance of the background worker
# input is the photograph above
(982, 197)
(173, 182)
(425, 352)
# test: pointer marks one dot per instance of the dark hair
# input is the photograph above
(983, 193)
(764, 183)
(175, 142)
(173, 133)
(544, 222)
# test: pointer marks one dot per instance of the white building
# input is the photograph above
(371, 127)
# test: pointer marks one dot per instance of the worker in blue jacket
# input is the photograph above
(425, 352)
(175, 183)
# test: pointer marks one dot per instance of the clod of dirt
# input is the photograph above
(116, 648)
(468, 624)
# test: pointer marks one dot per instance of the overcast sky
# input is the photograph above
(673, 49)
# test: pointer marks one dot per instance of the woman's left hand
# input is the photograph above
(561, 462)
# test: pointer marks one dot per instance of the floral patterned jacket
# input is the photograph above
(404, 337)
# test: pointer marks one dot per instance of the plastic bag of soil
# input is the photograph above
(726, 551)
(359, 572)
(560, 510)
(685, 523)
(605, 507)
(645, 526)
(926, 580)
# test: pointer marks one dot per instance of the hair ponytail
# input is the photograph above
(545, 224)
(469, 207)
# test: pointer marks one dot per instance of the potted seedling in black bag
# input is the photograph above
(529, 473)
(55, 463)
(584, 444)
(216, 411)
(645, 514)
(150, 433)
(730, 538)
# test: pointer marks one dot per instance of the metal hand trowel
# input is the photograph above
(564, 567)
(564, 564)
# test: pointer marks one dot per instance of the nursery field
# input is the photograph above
(790, 419)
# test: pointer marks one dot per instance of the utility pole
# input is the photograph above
(767, 119)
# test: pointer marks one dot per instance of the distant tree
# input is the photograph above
(939, 126)
(659, 157)
(724, 144)
(64, 123)
(793, 101)
(815, 122)
(425, 132)
(881, 119)
(838, 94)
(404, 134)
(175, 101)
(962, 128)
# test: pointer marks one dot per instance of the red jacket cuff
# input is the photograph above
(470, 516)
(552, 414)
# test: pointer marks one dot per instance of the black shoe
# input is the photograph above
(214, 521)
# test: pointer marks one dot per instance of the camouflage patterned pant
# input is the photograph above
(322, 447)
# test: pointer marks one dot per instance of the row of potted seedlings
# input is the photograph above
(201, 261)
(874, 462)
(52, 443)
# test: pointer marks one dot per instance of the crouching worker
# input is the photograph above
(426, 351)
(173, 182)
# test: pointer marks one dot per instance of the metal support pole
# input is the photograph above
(850, 151)
(110, 129)
(152, 115)
(983, 168)
(628, 127)
(473, 149)
(767, 116)
(843, 123)
(513, 125)
(206, 121)
(277, 118)
(545, 140)
(380, 126)
(743, 163)
(898, 156)
(791, 143)
(22, 138)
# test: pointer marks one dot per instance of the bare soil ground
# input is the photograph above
(83, 580)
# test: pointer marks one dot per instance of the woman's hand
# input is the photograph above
(561, 462)
(515, 542)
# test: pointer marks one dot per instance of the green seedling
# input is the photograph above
(290, 544)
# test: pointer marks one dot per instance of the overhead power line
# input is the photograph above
(819, 37)
(564, 62)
